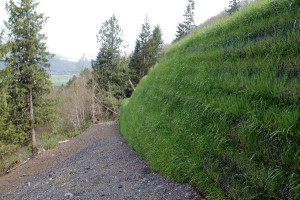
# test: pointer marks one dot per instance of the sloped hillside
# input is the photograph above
(221, 110)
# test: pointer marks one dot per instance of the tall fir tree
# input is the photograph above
(107, 71)
(156, 44)
(188, 25)
(146, 51)
(28, 60)
(234, 5)
(136, 63)
(139, 63)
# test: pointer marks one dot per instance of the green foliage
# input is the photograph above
(221, 110)
(6, 125)
(109, 72)
(188, 25)
(146, 52)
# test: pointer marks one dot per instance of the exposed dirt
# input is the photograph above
(97, 164)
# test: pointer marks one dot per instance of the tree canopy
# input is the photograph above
(109, 70)
(188, 24)
(146, 51)
(234, 5)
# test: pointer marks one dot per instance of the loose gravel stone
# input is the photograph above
(97, 164)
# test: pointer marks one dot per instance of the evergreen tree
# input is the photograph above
(189, 24)
(139, 63)
(234, 5)
(156, 44)
(145, 48)
(136, 62)
(28, 60)
(107, 71)
(146, 51)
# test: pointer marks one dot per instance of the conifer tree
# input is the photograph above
(107, 71)
(136, 62)
(234, 5)
(156, 44)
(28, 60)
(146, 51)
(139, 62)
(189, 24)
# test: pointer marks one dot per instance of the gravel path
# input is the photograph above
(97, 164)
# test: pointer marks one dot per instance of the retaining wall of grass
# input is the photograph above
(221, 110)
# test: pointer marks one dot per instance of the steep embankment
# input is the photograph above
(221, 109)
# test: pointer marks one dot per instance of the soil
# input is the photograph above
(97, 164)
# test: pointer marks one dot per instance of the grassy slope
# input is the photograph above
(221, 109)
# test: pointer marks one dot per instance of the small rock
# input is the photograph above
(158, 187)
(144, 180)
(69, 195)
(65, 141)
(189, 195)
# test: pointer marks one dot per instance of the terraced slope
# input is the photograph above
(221, 109)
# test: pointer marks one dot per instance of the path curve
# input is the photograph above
(97, 164)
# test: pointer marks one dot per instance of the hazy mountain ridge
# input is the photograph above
(62, 66)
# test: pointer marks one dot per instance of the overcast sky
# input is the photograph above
(73, 24)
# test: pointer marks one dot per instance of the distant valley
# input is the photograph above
(61, 66)
(62, 70)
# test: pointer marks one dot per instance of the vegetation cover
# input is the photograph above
(221, 108)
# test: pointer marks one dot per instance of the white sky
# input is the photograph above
(73, 24)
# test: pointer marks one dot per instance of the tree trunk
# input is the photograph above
(31, 121)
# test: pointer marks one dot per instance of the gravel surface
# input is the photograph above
(97, 164)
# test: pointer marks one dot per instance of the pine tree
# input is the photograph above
(106, 67)
(135, 63)
(189, 24)
(156, 44)
(28, 60)
(146, 51)
(234, 5)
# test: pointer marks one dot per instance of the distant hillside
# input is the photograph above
(61, 66)
(64, 67)
(221, 110)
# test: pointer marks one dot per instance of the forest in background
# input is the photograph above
(35, 114)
